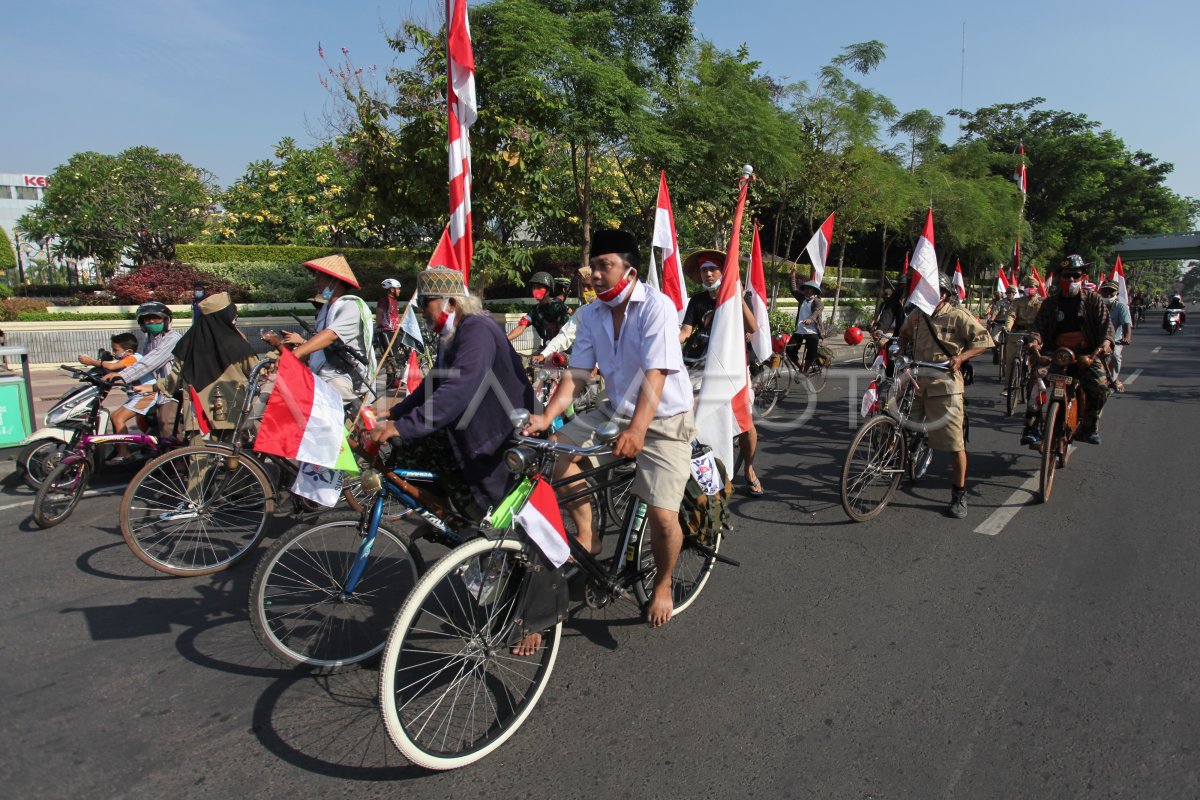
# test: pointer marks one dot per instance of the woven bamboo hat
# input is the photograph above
(336, 266)
(692, 264)
(440, 282)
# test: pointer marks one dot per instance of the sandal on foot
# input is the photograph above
(754, 488)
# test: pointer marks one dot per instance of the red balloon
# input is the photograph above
(854, 335)
(779, 343)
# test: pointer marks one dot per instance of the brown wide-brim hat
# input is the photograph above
(440, 282)
(336, 266)
(691, 264)
(215, 302)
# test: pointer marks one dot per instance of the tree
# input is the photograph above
(923, 130)
(301, 199)
(8, 258)
(138, 205)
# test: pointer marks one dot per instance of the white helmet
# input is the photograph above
(390, 283)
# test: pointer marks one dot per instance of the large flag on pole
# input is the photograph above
(664, 238)
(723, 408)
(1002, 282)
(1020, 175)
(1014, 275)
(925, 293)
(959, 284)
(1118, 275)
(756, 284)
(818, 249)
(462, 110)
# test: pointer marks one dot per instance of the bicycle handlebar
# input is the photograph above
(546, 445)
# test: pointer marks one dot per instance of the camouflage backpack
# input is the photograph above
(703, 515)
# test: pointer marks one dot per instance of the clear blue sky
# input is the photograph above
(220, 81)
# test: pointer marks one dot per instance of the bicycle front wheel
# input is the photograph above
(692, 569)
(872, 470)
(450, 688)
(196, 510)
(869, 354)
(60, 492)
(1050, 445)
(766, 392)
(1013, 391)
(38, 459)
(618, 495)
(300, 609)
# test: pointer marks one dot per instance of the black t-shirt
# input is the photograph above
(1069, 318)
(699, 313)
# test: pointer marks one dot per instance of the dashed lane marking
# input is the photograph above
(1155, 350)
(1009, 508)
(1133, 376)
(88, 493)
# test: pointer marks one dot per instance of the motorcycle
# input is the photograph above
(67, 418)
(1172, 320)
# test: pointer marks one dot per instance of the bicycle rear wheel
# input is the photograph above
(691, 573)
(872, 469)
(298, 609)
(869, 354)
(450, 689)
(766, 392)
(60, 493)
(817, 376)
(618, 496)
(38, 459)
(1013, 388)
(1049, 450)
(196, 510)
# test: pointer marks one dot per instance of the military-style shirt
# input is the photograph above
(958, 330)
(1025, 311)
(1002, 312)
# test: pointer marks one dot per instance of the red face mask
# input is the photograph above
(612, 296)
(539, 293)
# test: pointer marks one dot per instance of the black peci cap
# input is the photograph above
(613, 240)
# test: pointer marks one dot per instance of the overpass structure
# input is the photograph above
(1166, 246)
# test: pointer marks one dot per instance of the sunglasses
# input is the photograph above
(1071, 276)
(426, 299)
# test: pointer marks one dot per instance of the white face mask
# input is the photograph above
(1073, 288)
(714, 285)
(616, 295)
(1108, 301)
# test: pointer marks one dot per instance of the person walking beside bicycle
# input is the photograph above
(632, 335)
(1122, 322)
(1078, 321)
(810, 329)
(949, 333)
(704, 267)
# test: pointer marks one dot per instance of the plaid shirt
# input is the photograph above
(1094, 322)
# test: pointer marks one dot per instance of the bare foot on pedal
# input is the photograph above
(528, 646)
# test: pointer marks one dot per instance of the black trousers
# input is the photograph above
(810, 342)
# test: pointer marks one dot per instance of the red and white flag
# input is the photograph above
(1118, 275)
(756, 283)
(412, 375)
(1041, 283)
(1002, 282)
(462, 110)
(1014, 275)
(818, 249)
(904, 269)
(198, 412)
(542, 521)
(664, 238)
(1020, 176)
(304, 418)
(723, 407)
(925, 293)
(959, 284)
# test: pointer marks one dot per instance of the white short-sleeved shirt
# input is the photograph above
(344, 318)
(649, 340)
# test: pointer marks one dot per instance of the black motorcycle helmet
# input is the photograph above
(556, 313)
(154, 308)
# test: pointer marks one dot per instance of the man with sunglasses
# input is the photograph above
(1078, 321)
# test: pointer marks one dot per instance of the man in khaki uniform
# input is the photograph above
(1024, 311)
(939, 402)
(1000, 318)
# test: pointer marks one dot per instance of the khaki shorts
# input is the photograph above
(663, 466)
(943, 418)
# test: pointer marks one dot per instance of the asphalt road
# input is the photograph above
(911, 657)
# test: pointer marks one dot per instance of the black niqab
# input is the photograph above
(210, 346)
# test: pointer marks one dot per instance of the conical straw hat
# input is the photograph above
(336, 266)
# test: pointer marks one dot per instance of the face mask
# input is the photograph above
(1108, 301)
(1071, 288)
(539, 293)
(445, 324)
(617, 294)
(327, 293)
(155, 327)
(198, 293)
(1030, 291)
(714, 286)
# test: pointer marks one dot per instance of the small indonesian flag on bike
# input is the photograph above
(304, 419)
(756, 283)
(870, 401)
(542, 521)
(413, 376)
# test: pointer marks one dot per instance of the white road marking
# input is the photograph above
(1155, 350)
(1009, 508)
(1133, 377)
(88, 493)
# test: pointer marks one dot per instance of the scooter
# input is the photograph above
(67, 418)
(1172, 320)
